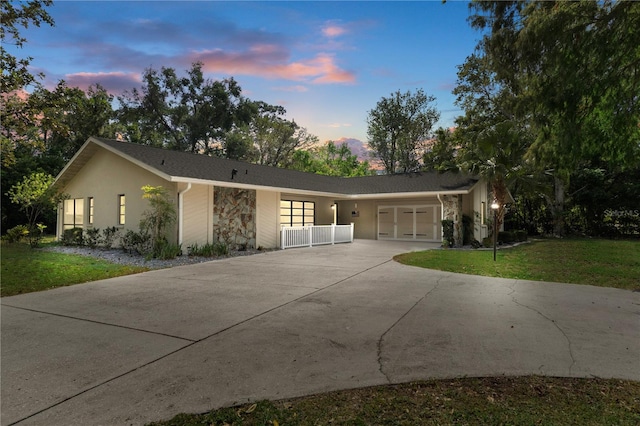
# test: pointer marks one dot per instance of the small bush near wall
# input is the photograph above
(447, 232)
(92, 237)
(467, 229)
(520, 235)
(505, 237)
(135, 242)
(209, 250)
(109, 236)
(72, 237)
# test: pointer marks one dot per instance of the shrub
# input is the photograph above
(520, 235)
(487, 242)
(505, 237)
(136, 242)
(16, 234)
(447, 230)
(467, 229)
(167, 250)
(109, 236)
(35, 234)
(92, 237)
(72, 237)
(208, 250)
(475, 244)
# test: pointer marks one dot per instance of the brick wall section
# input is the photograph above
(234, 217)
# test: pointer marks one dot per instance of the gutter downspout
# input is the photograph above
(441, 216)
(181, 212)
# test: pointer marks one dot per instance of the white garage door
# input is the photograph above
(409, 223)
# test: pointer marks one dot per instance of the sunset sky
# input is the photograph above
(327, 63)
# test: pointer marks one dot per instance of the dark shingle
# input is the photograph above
(195, 166)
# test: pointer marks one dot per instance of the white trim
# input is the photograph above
(180, 179)
(181, 212)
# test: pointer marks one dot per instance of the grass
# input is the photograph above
(502, 400)
(605, 263)
(25, 270)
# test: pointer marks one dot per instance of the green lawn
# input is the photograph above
(25, 270)
(530, 400)
(605, 263)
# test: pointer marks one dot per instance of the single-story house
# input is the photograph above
(242, 203)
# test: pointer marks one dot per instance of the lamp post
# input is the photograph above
(495, 206)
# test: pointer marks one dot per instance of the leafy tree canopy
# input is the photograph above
(14, 15)
(398, 127)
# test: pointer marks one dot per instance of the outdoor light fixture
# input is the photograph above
(495, 206)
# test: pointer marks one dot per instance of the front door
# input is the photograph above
(409, 223)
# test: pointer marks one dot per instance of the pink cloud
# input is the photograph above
(332, 30)
(272, 61)
(113, 82)
(297, 88)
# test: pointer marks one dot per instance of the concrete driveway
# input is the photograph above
(134, 349)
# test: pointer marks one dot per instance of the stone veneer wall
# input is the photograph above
(234, 217)
(453, 211)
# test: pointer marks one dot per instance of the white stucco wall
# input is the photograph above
(104, 177)
(198, 215)
(267, 219)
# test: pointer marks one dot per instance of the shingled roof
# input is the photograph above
(179, 166)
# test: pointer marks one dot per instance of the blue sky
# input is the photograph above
(327, 63)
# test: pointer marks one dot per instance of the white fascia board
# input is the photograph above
(336, 195)
(241, 185)
(390, 195)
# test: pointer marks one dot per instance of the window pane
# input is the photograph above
(121, 210)
(79, 216)
(90, 210)
(68, 212)
(297, 204)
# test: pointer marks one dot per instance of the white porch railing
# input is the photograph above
(315, 235)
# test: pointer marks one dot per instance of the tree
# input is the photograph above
(156, 221)
(15, 71)
(572, 68)
(183, 113)
(491, 139)
(440, 153)
(276, 139)
(68, 116)
(35, 194)
(398, 127)
(330, 159)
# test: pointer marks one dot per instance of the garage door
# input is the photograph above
(409, 223)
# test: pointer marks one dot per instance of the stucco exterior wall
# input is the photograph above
(364, 213)
(267, 219)
(234, 217)
(104, 177)
(197, 226)
(480, 210)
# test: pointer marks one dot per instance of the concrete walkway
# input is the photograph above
(135, 349)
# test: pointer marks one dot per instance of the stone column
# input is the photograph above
(452, 206)
(234, 217)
